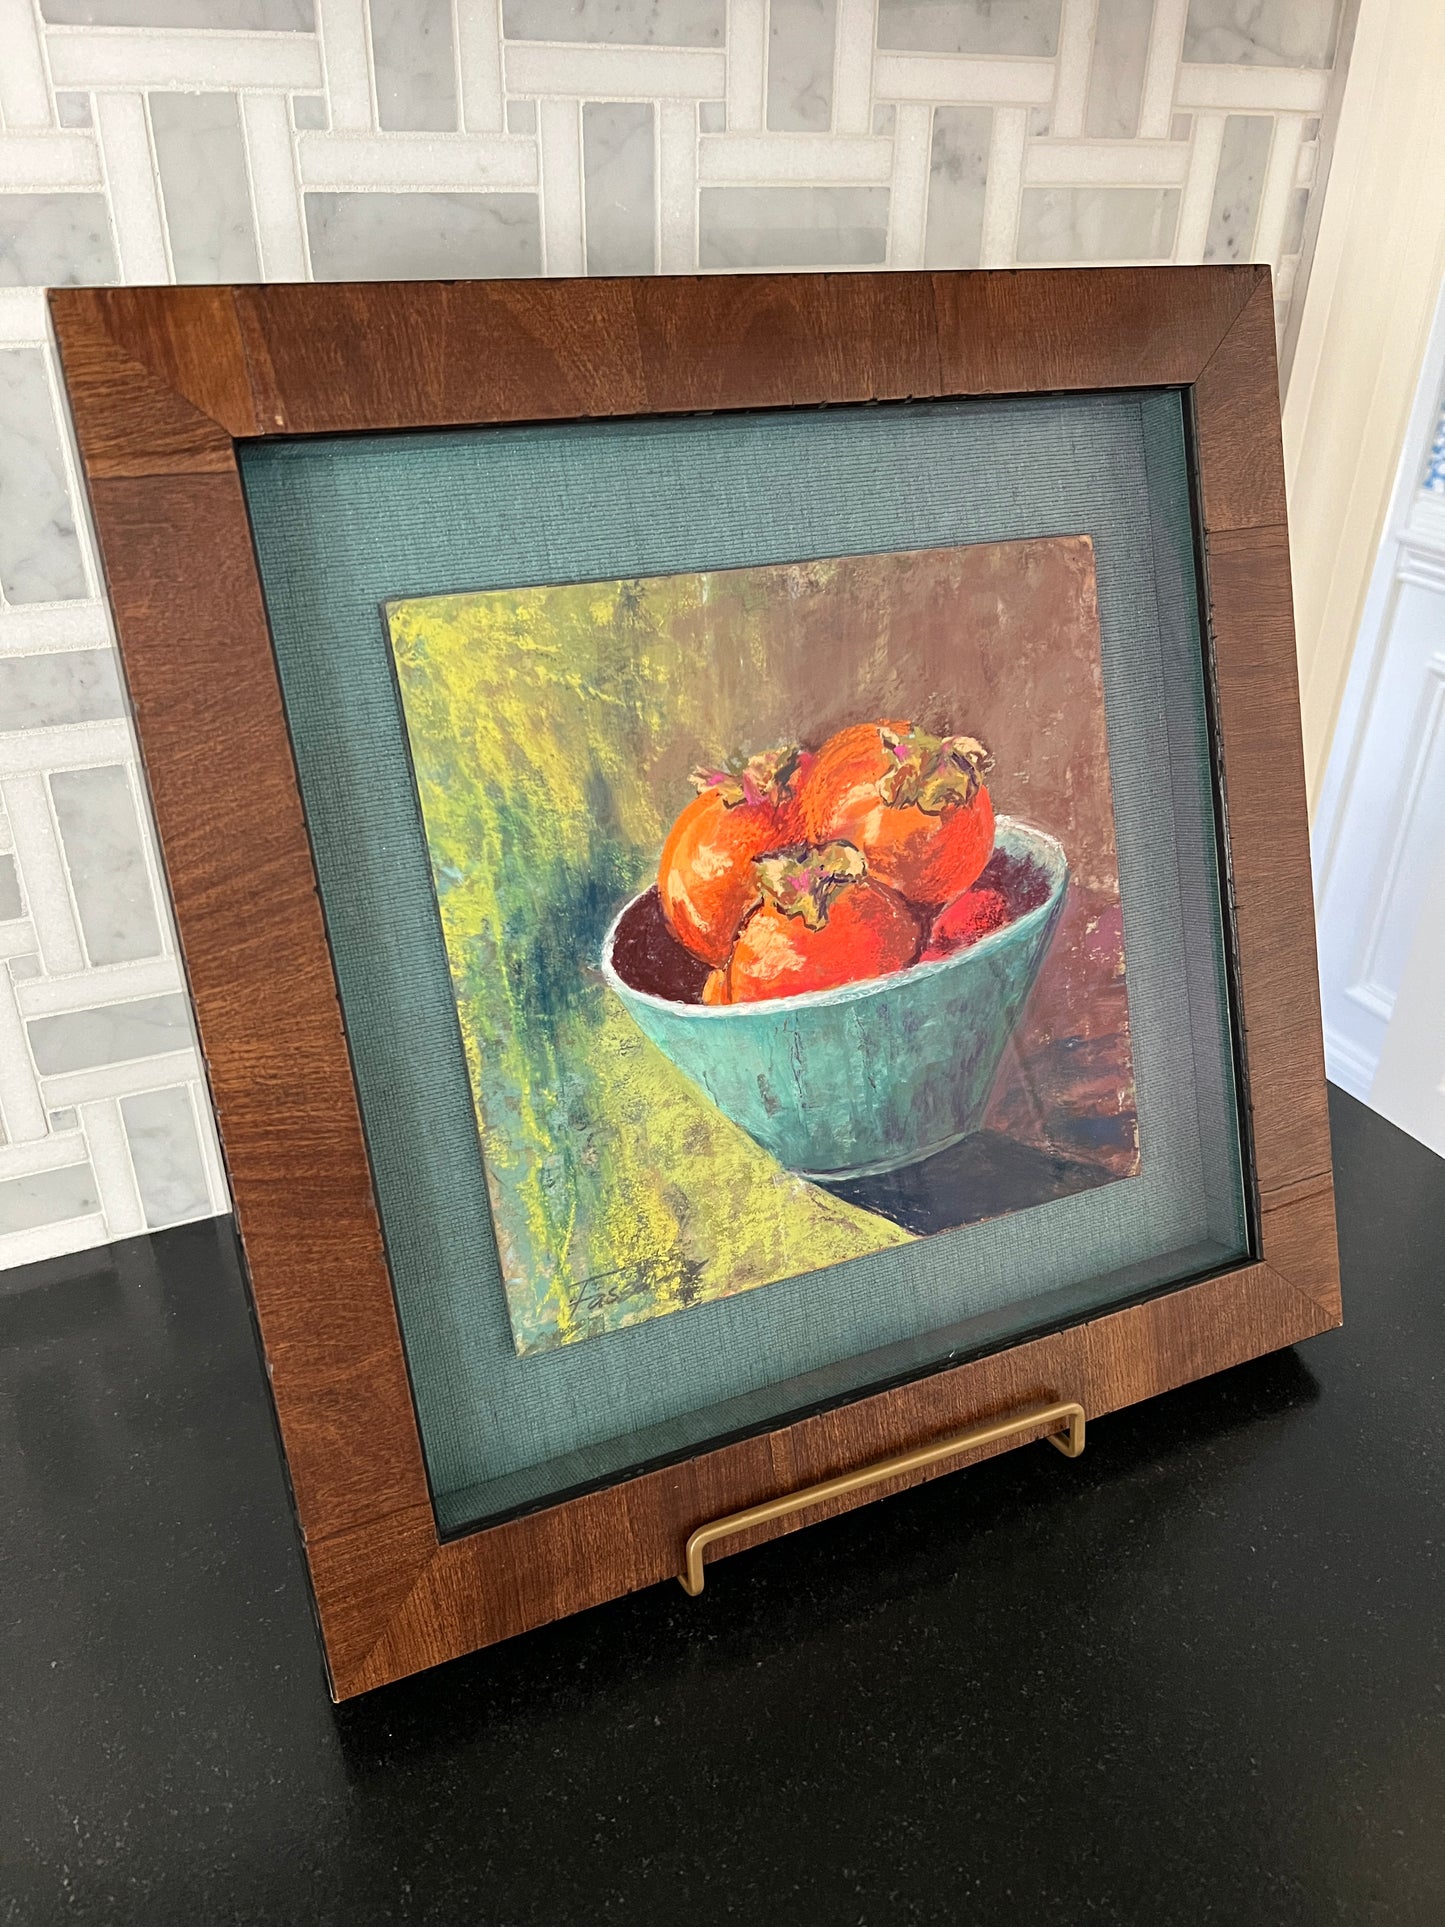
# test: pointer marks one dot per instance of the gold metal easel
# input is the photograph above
(1064, 1414)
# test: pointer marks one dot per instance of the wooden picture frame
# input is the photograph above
(165, 383)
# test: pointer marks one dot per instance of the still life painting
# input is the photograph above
(781, 906)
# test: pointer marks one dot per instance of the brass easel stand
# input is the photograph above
(1071, 1445)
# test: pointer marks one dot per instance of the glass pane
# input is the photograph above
(1012, 1104)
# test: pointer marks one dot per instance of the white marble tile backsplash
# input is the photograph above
(1116, 69)
(422, 236)
(1263, 33)
(205, 140)
(77, 1040)
(413, 60)
(977, 27)
(809, 227)
(54, 240)
(110, 880)
(801, 36)
(1238, 186)
(37, 1199)
(624, 23)
(619, 189)
(39, 550)
(1097, 223)
(201, 158)
(58, 686)
(957, 185)
(269, 16)
(165, 1150)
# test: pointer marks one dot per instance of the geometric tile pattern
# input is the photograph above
(220, 140)
(104, 1126)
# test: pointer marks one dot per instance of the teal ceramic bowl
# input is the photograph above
(872, 1076)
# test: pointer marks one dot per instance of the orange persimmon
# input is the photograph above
(914, 804)
(705, 875)
(821, 922)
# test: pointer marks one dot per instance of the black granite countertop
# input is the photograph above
(1198, 1676)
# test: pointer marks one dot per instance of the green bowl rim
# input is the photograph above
(1045, 848)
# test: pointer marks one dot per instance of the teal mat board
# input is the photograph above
(344, 524)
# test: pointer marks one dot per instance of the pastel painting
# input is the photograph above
(782, 912)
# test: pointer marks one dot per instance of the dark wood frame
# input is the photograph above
(164, 382)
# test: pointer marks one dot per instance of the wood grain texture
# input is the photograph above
(1236, 403)
(193, 346)
(1298, 1239)
(1027, 331)
(1257, 698)
(128, 421)
(309, 358)
(163, 380)
(203, 684)
(496, 1583)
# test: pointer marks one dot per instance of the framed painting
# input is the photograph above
(826, 1079)
(739, 846)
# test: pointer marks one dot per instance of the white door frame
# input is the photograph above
(1411, 547)
(1409, 1086)
(1355, 374)
(1368, 547)
(1380, 822)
